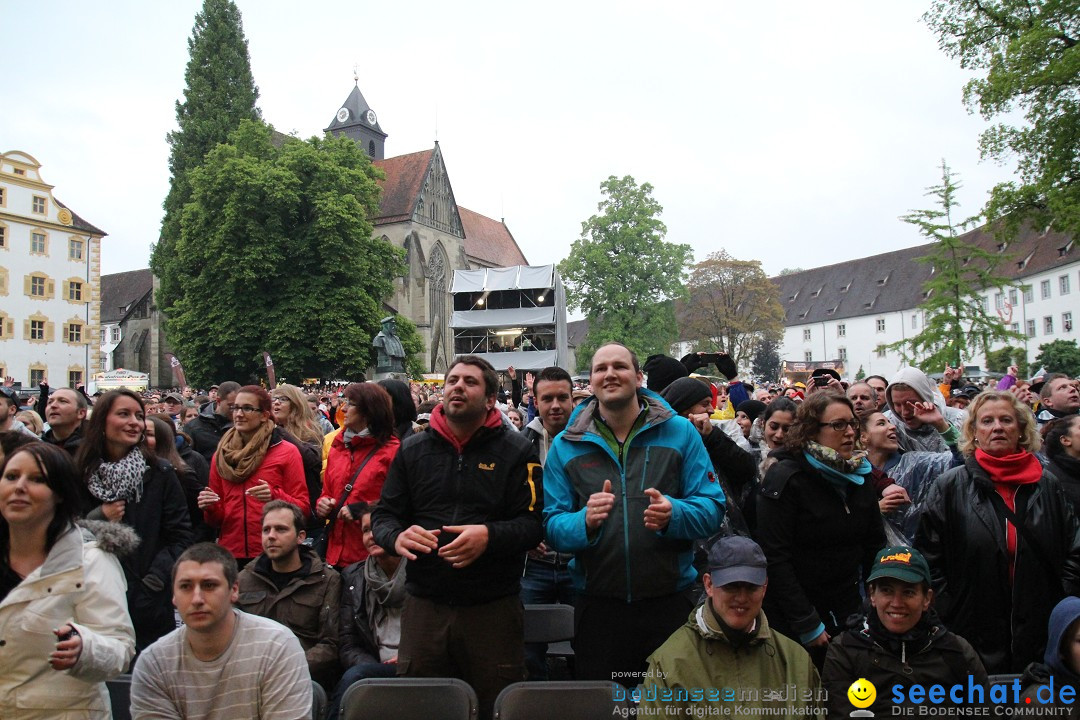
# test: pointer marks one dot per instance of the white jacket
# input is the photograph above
(80, 582)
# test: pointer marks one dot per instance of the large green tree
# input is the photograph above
(1026, 58)
(220, 92)
(277, 246)
(623, 274)
(956, 325)
(1061, 356)
(731, 307)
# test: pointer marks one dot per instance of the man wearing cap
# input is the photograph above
(174, 405)
(901, 642)
(727, 641)
(9, 406)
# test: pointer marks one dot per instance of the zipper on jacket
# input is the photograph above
(247, 550)
(626, 528)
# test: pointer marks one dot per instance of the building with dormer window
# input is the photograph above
(50, 268)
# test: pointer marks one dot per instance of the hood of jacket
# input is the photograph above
(583, 419)
(699, 624)
(208, 413)
(114, 538)
(439, 424)
(537, 426)
(918, 381)
(1064, 614)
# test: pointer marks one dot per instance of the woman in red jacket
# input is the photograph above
(366, 434)
(252, 466)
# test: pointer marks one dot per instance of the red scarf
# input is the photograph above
(1008, 473)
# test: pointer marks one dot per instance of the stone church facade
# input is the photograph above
(419, 213)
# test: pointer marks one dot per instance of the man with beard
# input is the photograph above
(461, 503)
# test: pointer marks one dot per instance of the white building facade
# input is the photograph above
(850, 312)
(50, 265)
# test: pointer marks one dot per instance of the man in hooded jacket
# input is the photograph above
(908, 387)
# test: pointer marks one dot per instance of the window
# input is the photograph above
(999, 301)
(102, 336)
(1048, 325)
(19, 171)
(38, 205)
(116, 335)
(1044, 287)
(1029, 294)
(74, 333)
(1066, 322)
(37, 376)
(75, 378)
(880, 350)
(806, 334)
(808, 356)
(37, 329)
(1031, 328)
(75, 291)
(984, 303)
(75, 249)
(37, 243)
(881, 324)
(914, 322)
(1012, 297)
(841, 330)
(37, 286)
(3, 196)
(1063, 284)
(841, 353)
(1015, 327)
(3, 236)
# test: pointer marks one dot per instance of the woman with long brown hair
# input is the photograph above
(359, 454)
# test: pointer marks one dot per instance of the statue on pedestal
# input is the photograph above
(390, 353)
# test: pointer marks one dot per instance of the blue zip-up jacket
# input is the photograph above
(625, 560)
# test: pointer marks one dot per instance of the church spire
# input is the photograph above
(355, 119)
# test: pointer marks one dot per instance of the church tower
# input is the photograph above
(355, 119)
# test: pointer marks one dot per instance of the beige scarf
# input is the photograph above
(237, 460)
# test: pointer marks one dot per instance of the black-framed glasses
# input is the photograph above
(841, 425)
(245, 409)
(280, 398)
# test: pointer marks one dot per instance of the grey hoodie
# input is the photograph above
(925, 437)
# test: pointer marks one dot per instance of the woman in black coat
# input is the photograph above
(125, 483)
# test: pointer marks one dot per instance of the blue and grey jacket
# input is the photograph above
(625, 560)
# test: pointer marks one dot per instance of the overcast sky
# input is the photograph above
(793, 133)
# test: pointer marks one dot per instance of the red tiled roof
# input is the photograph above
(404, 177)
(489, 240)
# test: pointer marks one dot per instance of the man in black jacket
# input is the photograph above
(215, 417)
(462, 503)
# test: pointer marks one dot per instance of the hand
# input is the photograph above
(416, 539)
(114, 511)
(345, 513)
(324, 506)
(658, 514)
(207, 497)
(929, 414)
(702, 422)
(538, 552)
(598, 507)
(529, 378)
(9, 381)
(511, 372)
(260, 492)
(462, 551)
(893, 497)
(727, 367)
(822, 639)
(1013, 370)
(68, 648)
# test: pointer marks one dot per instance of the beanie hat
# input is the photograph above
(752, 408)
(685, 392)
(662, 371)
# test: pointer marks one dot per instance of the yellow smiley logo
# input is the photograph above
(862, 693)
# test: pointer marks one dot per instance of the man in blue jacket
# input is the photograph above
(628, 487)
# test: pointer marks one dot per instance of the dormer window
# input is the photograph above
(845, 288)
(1065, 249)
(792, 298)
(1002, 246)
(883, 280)
(816, 293)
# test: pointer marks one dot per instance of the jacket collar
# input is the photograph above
(584, 418)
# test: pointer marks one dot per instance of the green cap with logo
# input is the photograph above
(902, 563)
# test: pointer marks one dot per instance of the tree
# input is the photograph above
(789, 271)
(623, 274)
(999, 360)
(1061, 356)
(956, 325)
(279, 256)
(220, 92)
(1027, 56)
(766, 363)
(861, 374)
(731, 307)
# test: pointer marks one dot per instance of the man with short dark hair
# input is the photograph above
(630, 487)
(9, 406)
(221, 664)
(461, 503)
(214, 418)
(863, 398)
(879, 384)
(291, 584)
(65, 412)
(1058, 398)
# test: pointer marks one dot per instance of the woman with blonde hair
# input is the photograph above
(1000, 536)
(31, 420)
(292, 412)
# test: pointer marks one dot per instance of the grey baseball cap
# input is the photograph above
(737, 559)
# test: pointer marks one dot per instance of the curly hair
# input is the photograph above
(809, 415)
(1029, 433)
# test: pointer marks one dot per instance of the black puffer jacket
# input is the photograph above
(816, 543)
(495, 481)
(962, 537)
(206, 430)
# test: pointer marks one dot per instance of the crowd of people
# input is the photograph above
(228, 548)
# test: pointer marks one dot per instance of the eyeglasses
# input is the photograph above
(280, 398)
(245, 409)
(841, 425)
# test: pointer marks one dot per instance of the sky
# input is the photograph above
(791, 133)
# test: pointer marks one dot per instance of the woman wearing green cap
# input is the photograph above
(901, 641)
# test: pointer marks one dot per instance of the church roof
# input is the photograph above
(489, 240)
(894, 281)
(121, 292)
(404, 179)
(357, 107)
